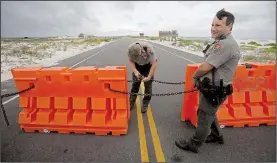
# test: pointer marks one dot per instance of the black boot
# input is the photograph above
(213, 139)
(183, 144)
(144, 109)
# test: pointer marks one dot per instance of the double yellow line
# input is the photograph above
(155, 137)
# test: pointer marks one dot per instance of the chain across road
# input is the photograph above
(157, 94)
(161, 82)
(12, 94)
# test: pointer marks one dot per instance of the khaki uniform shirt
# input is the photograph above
(224, 55)
(140, 60)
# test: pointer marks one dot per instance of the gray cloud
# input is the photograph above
(125, 5)
(255, 11)
(142, 24)
(44, 18)
(128, 17)
(192, 19)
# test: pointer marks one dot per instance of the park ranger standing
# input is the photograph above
(221, 60)
(143, 60)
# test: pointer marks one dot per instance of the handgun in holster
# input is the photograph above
(209, 91)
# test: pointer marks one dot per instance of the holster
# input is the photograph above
(214, 93)
(209, 92)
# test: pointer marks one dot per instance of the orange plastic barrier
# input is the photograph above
(73, 100)
(252, 103)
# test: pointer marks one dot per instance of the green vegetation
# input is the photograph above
(16, 50)
(270, 50)
(264, 54)
(196, 45)
(188, 42)
(249, 57)
(25, 49)
(206, 42)
(262, 57)
(162, 38)
(90, 41)
(254, 43)
(271, 44)
(43, 47)
(154, 38)
(40, 48)
(247, 47)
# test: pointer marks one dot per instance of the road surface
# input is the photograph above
(161, 126)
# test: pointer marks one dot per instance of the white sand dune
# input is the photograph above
(196, 48)
(52, 54)
(49, 53)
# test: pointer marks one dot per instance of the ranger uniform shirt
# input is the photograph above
(224, 55)
(140, 60)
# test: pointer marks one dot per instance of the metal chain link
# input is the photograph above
(140, 77)
(158, 81)
(12, 94)
(155, 94)
(161, 82)
(123, 92)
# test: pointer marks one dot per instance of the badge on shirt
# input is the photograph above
(150, 52)
(217, 47)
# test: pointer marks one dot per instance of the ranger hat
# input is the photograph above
(134, 50)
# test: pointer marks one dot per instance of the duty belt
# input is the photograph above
(212, 92)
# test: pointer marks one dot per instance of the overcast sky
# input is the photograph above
(254, 20)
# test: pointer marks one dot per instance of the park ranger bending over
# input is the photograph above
(222, 58)
(143, 60)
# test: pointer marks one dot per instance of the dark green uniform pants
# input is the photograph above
(207, 122)
(135, 89)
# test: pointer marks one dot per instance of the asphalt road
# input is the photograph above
(161, 126)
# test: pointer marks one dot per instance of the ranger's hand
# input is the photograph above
(146, 79)
(195, 83)
(138, 75)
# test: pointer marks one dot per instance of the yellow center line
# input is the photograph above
(155, 137)
(143, 146)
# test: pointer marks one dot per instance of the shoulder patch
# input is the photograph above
(150, 52)
(218, 46)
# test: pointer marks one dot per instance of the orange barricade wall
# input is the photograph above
(252, 103)
(73, 100)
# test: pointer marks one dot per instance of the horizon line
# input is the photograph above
(130, 36)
